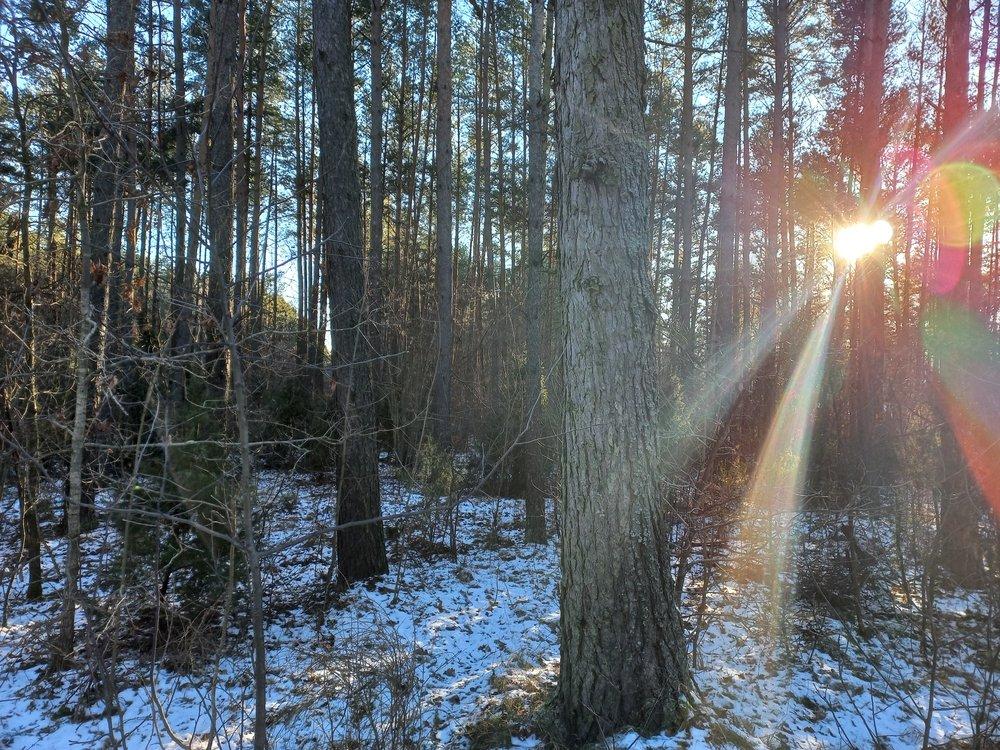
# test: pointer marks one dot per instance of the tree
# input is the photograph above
(868, 313)
(623, 660)
(961, 550)
(360, 546)
(441, 407)
(225, 31)
(724, 312)
(538, 75)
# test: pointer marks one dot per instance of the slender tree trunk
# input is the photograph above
(868, 334)
(225, 30)
(683, 344)
(778, 11)
(182, 292)
(441, 407)
(623, 659)
(361, 548)
(375, 283)
(28, 471)
(984, 54)
(724, 317)
(961, 548)
(530, 463)
(88, 329)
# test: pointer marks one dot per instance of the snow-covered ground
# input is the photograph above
(444, 653)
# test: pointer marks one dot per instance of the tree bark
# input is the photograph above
(360, 549)
(441, 396)
(225, 29)
(623, 659)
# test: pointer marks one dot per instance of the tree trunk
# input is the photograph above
(361, 548)
(723, 319)
(778, 11)
(623, 659)
(683, 343)
(225, 28)
(181, 292)
(961, 548)
(530, 465)
(441, 396)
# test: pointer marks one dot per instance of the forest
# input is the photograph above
(474, 374)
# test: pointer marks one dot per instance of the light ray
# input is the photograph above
(777, 483)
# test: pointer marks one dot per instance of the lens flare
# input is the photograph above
(966, 361)
(965, 193)
(855, 241)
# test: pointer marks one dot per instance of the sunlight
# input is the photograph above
(858, 240)
(777, 483)
(714, 389)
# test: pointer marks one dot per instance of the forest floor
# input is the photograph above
(453, 654)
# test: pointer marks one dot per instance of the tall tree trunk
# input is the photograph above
(530, 463)
(778, 11)
(984, 54)
(961, 548)
(683, 343)
(441, 396)
(868, 319)
(377, 168)
(623, 659)
(724, 312)
(360, 548)
(225, 30)
(182, 291)
(27, 468)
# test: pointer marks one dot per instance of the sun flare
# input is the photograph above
(858, 240)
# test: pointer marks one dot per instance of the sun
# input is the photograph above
(858, 240)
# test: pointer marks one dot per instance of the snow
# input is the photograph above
(440, 650)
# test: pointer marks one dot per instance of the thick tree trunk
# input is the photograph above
(441, 396)
(622, 651)
(360, 548)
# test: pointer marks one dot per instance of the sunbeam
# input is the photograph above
(716, 387)
(777, 483)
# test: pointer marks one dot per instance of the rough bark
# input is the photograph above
(622, 652)
(361, 548)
